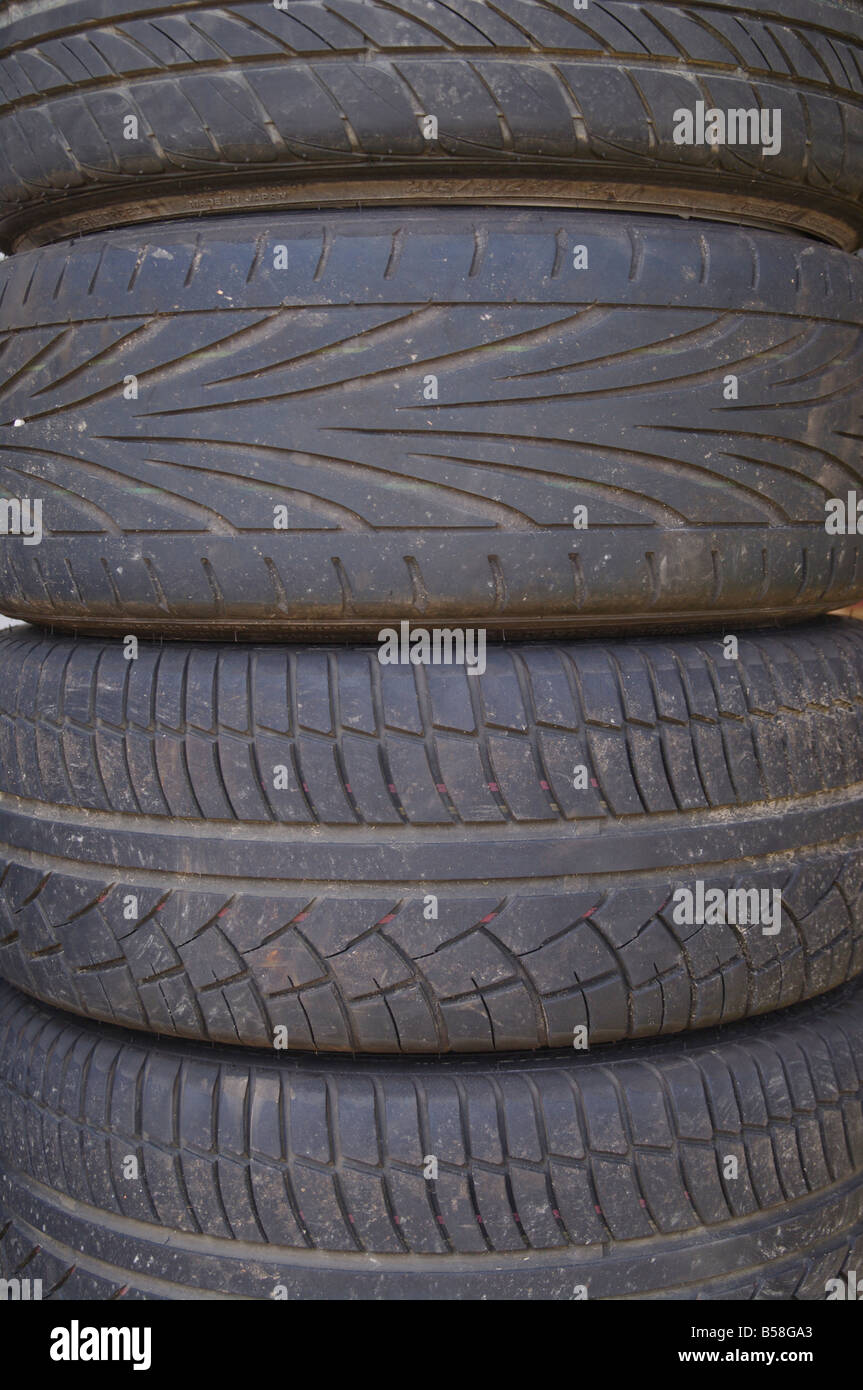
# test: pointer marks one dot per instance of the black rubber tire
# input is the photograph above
(257, 908)
(241, 105)
(261, 388)
(264, 1176)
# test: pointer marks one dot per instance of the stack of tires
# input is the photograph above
(431, 799)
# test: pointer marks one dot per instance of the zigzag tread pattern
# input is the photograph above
(331, 736)
(668, 729)
(530, 1157)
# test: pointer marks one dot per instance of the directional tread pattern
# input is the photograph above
(664, 731)
(429, 417)
(338, 972)
(226, 94)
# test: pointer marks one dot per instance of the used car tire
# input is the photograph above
(535, 421)
(233, 842)
(111, 113)
(723, 1166)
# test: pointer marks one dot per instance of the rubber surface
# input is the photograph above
(134, 1169)
(222, 445)
(218, 842)
(244, 103)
